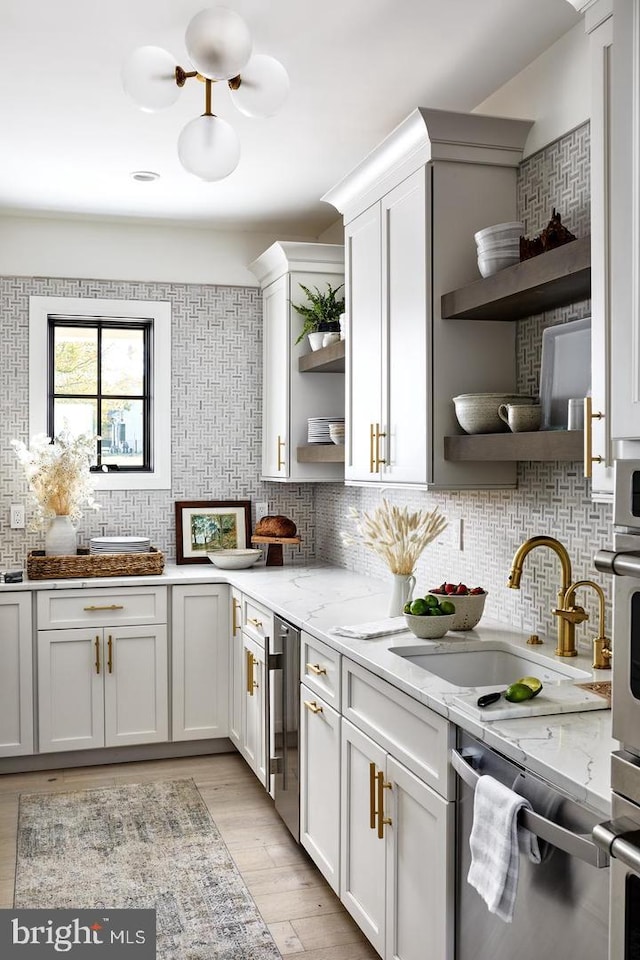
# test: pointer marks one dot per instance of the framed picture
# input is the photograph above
(203, 526)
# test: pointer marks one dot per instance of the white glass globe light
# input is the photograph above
(209, 148)
(218, 43)
(149, 78)
(264, 86)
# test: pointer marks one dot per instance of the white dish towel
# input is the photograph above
(495, 842)
(377, 628)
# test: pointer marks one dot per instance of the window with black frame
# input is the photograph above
(99, 383)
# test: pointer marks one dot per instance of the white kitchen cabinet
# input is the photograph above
(253, 735)
(200, 661)
(16, 675)
(397, 857)
(411, 209)
(320, 784)
(102, 687)
(291, 397)
(236, 689)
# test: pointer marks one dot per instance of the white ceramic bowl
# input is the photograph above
(500, 231)
(469, 609)
(498, 246)
(490, 263)
(478, 412)
(429, 628)
(234, 559)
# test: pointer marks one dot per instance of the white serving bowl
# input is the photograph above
(490, 263)
(469, 609)
(478, 412)
(429, 628)
(500, 231)
(234, 559)
(498, 246)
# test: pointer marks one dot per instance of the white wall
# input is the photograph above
(554, 91)
(117, 250)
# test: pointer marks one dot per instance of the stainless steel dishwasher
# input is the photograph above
(562, 904)
(284, 684)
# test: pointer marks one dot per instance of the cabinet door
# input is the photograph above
(419, 869)
(253, 714)
(70, 689)
(200, 660)
(136, 680)
(16, 694)
(236, 699)
(275, 383)
(362, 853)
(320, 784)
(363, 344)
(406, 348)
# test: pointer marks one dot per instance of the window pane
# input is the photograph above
(76, 416)
(76, 360)
(121, 431)
(122, 362)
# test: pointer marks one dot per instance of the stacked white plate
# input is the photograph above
(498, 247)
(318, 431)
(99, 545)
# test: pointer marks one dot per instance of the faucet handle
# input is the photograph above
(573, 614)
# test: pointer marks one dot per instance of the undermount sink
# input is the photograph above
(492, 664)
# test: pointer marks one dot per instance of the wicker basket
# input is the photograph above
(83, 564)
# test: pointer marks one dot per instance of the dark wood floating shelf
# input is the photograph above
(552, 279)
(320, 453)
(537, 445)
(326, 360)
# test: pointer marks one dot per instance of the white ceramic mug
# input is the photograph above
(521, 417)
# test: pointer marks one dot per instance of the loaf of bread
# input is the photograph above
(275, 527)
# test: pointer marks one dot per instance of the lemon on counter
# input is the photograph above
(518, 693)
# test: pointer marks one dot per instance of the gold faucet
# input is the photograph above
(567, 618)
(601, 645)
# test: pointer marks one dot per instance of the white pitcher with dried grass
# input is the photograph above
(399, 537)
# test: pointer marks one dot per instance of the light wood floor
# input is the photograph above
(305, 917)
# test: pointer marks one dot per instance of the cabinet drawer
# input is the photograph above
(409, 730)
(257, 621)
(320, 669)
(61, 609)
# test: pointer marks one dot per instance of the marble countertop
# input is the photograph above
(570, 750)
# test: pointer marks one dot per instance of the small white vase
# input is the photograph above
(403, 584)
(61, 538)
(315, 339)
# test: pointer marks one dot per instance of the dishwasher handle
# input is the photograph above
(575, 844)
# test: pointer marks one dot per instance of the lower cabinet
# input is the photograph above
(16, 675)
(236, 689)
(320, 784)
(102, 686)
(200, 661)
(396, 862)
(253, 735)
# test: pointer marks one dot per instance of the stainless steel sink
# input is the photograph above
(492, 664)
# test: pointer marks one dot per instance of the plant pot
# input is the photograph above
(61, 538)
(315, 339)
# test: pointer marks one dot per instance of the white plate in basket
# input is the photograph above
(565, 370)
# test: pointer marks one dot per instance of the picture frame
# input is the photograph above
(203, 526)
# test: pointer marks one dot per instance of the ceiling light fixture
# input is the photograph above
(219, 45)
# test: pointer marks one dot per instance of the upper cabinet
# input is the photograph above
(411, 209)
(292, 395)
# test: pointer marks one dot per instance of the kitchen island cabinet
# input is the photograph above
(16, 675)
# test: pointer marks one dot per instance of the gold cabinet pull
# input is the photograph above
(372, 796)
(110, 654)
(378, 458)
(110, 606)
(382, 786)
(251, 683)
(313, 706)
(257, 623)
(97, 645)
(372, 446)
(281, 444)
(235, 606)
(316, 669)
(589, 416)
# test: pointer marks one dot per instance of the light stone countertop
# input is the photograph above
(570, 750)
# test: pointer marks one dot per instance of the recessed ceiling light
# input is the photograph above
(145, 176)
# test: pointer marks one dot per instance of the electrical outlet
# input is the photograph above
(262, 509)
(17, 516)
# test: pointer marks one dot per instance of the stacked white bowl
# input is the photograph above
(498, 247)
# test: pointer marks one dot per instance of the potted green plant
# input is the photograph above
(320, 315)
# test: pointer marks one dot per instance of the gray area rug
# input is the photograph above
(150, 845)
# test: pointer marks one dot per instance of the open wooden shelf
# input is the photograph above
(320, 453)
(326, 360)
(553, 279)
(536, 445)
